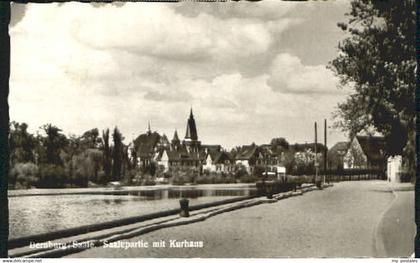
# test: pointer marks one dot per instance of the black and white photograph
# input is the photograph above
(233, 129)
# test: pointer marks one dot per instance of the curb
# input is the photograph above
(378, 244)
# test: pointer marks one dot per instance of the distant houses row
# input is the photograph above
(190, 152)
(363, 152)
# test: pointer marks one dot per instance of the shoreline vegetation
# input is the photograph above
(50, 159)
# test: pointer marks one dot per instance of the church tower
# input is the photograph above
(175, 141)
(191, 137)
(191, 133)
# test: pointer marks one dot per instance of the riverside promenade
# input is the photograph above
(350, 219)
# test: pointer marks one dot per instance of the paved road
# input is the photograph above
(340, 221)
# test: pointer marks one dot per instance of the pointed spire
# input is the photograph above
(176, 138)
(148, 128)
(191, 132)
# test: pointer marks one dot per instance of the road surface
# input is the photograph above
(350, 219)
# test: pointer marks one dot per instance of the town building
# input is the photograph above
(151, 147)
(366, 152)
(219, 162)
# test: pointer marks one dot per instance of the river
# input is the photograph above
(38, 211)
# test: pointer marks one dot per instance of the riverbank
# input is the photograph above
(340, 221)
(124, 190)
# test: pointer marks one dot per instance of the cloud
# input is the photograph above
(289, 75)
(156, 30)
(127, 65)
(175, 95)
(266, 10)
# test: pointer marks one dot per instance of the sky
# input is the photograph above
(250, 71)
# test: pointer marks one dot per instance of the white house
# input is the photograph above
(394, 168)
(163, 159)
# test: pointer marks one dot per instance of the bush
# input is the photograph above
(148, 180)
(183, 175)
(258, 171)
(24, 175)
(248, 179)
(240, 171)
(178, 180)
(51, 176)
(405, 177)
(206, 179)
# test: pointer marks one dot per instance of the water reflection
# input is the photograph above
(39, 214)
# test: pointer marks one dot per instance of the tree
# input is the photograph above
(117, 154)
(22, 144)
(106, 154)
(90, 139)
(279, 144)
(52, 145)
(378, 61)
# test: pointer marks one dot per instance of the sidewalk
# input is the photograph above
(397, 229)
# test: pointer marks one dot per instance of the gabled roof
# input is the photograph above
(246, 152)
(214, 147)
(219, 157)
(181, 154)
(373, 147)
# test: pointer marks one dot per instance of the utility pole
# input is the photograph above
(325, 149)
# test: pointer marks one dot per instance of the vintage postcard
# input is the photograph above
(237, 129)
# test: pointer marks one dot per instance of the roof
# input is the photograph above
(214, 147)
(219, 157)
(246, 152)
(181, 154)
(339, 148)
(175, 138)
(373, 147)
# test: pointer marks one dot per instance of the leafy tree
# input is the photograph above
(378, 61)
(107, 161)
(52, 145)
(24, 175)
(279, 144)
(90, 139)
(22, 144)
(133, 153)
(117, 155)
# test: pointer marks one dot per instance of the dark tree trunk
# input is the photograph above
(4, 124)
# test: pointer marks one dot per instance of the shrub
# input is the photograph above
(51, 176)
(405, 177)
(178, 180)
(258, 171)
(148, 181)
(24, 175)
(248, 179)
